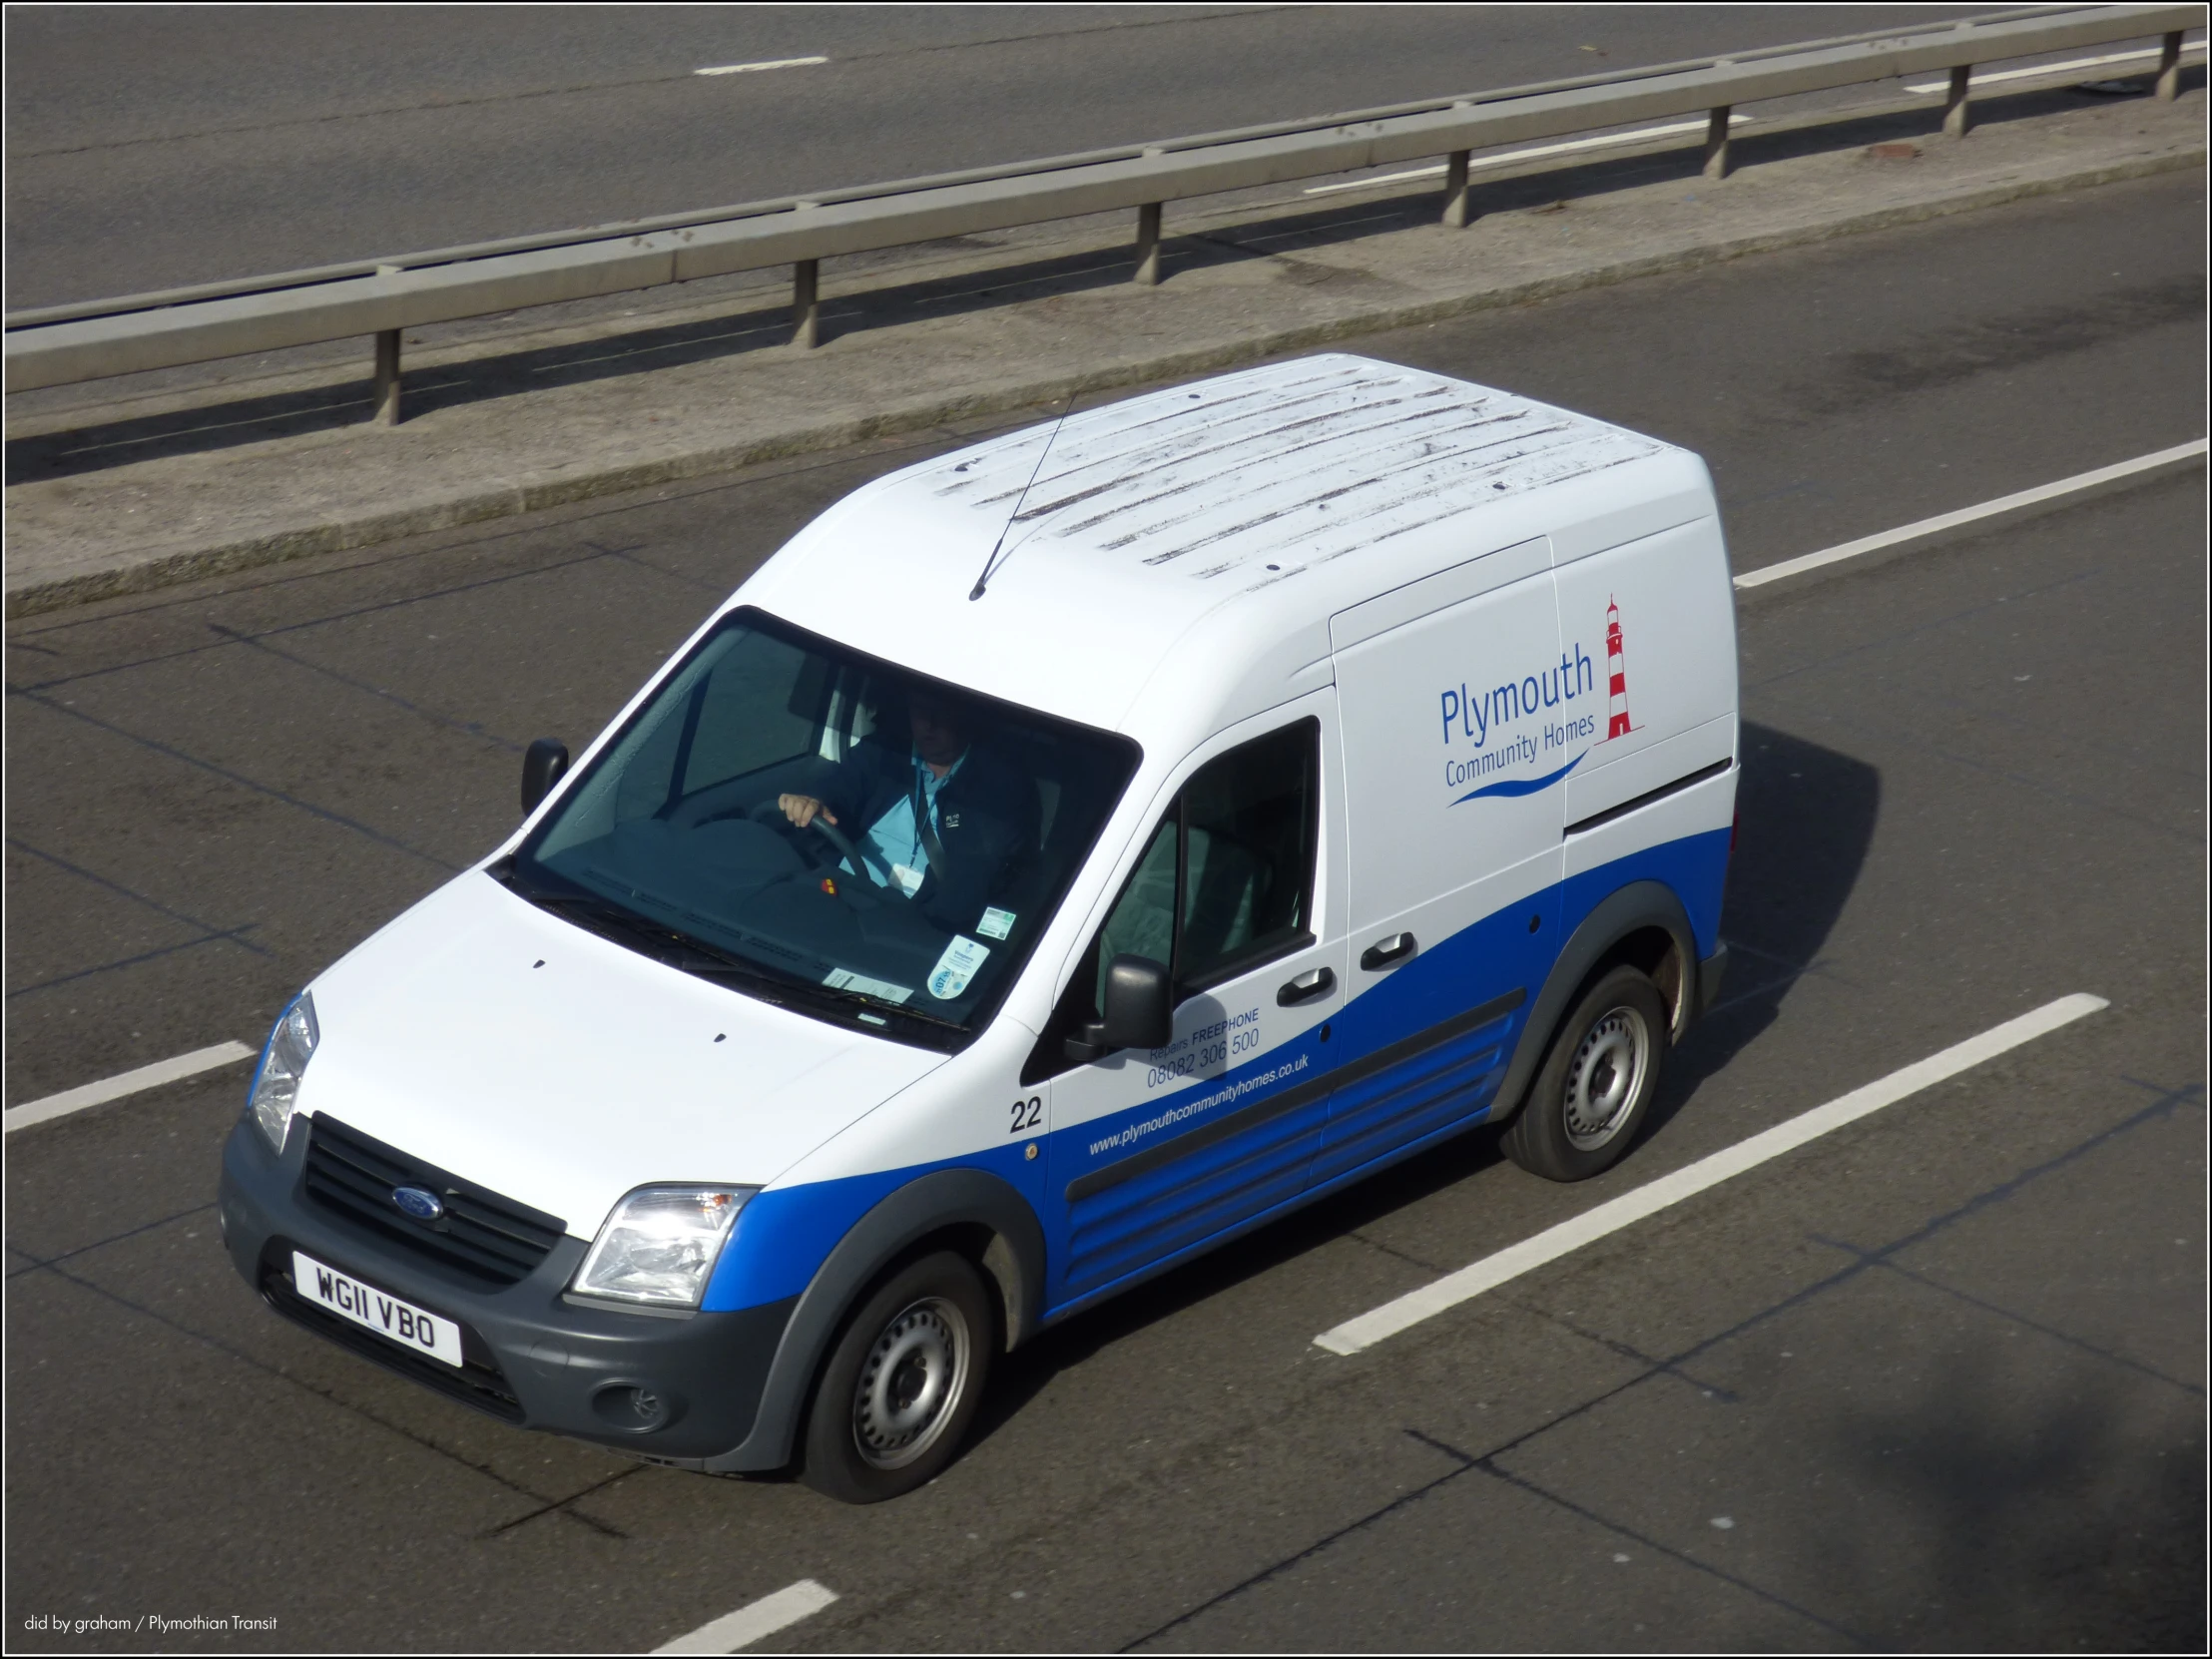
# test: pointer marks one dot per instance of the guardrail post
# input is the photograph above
(1716, 142)
(386, 394)
(384, 383)
(1148, 244)
(1958, 114)
(1458, 209)
(807, 304)
(2169, 67)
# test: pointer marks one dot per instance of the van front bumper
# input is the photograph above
(669, 1388)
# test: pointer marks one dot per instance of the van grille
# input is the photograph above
(482, 1235)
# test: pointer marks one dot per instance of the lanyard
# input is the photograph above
(926, 834)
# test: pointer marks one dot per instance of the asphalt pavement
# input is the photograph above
(154, 146)
(1937, 1381)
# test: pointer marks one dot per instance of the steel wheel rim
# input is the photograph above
(913, 1376)
(1605, 1077)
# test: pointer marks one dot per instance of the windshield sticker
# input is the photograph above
(996, 924)
(842, 979)
(957, 967)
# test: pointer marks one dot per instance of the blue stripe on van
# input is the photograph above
(1119, 1229)
(1132, 1227)
(1695, 866)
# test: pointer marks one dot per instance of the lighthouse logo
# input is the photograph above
(1527, 731)
(1616, 674)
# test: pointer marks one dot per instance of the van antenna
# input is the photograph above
(990, 563)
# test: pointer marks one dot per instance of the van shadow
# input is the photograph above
(759, 317)
(1806, 817)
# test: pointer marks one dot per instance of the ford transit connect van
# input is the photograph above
(1064, 856)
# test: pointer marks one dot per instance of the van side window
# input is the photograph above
(1227, 879)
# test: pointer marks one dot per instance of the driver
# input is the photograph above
(942, 819)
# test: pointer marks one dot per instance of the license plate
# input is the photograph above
(406, 1324)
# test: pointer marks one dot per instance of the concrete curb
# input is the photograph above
(38, 595)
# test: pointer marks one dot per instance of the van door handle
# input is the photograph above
(1315, 982)
(1384, 953)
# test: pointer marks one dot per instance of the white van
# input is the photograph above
(1064, 856)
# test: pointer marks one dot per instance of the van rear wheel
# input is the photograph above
(1596, 1084)
(901, 1382)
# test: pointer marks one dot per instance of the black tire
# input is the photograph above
(1596, 1084)
(901, 1382)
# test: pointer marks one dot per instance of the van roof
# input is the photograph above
(1110, 534)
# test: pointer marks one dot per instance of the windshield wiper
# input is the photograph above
(831, 993)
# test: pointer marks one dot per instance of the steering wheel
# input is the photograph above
(771, 814)
(838, 839)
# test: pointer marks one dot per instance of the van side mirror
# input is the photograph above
(1140, 1011)
(543, 762)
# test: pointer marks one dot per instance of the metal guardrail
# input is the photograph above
(58, 345)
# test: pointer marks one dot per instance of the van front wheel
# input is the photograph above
(902, 1383)
(1596, 1084)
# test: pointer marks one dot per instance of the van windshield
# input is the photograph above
(828, 830)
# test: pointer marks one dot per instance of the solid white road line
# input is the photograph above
(2017, 502)
(749, 1623)
(1604, 141)
(115, 1088)
(1631, 1206)
(755, 68)
(2071, 64)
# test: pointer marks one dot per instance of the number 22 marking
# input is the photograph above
(1027, 1114)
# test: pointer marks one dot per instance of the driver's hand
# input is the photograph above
(801, 810)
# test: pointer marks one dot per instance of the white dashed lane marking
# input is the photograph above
(1603, 141)
(755, 68)
(130, 1082)
(1631, 1206)
(2021, 501)
(2188, 54)
(754, 1620)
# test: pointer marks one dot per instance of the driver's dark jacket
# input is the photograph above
(987, 821)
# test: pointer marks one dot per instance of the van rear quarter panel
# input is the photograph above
(1662, 609)
(1658, 615)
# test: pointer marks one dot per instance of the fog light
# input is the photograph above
(633, 1410)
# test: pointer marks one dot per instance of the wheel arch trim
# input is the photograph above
(941, 1202)
(1628, 910)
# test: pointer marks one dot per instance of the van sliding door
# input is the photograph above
(1461, 717)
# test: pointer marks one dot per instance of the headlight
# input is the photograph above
(276, 1090)
(660, 1245)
